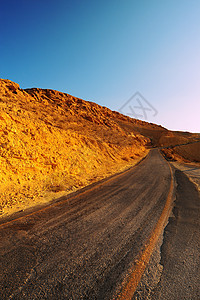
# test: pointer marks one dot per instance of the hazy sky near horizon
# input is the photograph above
(106, 51)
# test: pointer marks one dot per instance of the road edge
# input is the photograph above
(131, 283)
(40, 208)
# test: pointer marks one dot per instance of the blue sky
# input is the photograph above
(105, 51)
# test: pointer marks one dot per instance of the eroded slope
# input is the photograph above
(52, 143)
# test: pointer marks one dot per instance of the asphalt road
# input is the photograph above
(180, 278)
(83, 246)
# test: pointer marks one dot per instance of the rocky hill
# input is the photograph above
(52, 143)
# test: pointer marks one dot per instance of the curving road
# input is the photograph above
(83, 246)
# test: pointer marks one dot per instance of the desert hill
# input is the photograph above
(52, 143)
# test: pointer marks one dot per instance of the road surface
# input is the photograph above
(180, 278)
(84, 246)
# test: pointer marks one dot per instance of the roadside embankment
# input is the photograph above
(52, 143)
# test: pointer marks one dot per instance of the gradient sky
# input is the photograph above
(107, 50)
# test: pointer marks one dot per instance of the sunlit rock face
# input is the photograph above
(52, 143)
